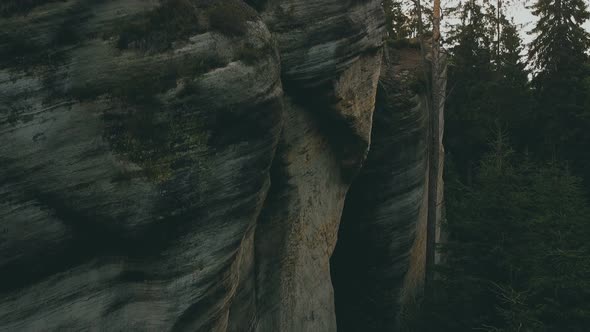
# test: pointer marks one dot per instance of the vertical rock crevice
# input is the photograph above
(331, 60)
(383, 212)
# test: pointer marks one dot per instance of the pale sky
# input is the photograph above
(522, 16)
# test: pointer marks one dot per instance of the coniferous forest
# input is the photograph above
(515, 255)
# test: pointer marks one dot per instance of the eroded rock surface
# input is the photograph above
(379, 260)
(134, 164)
(184, 164)
(331, 60)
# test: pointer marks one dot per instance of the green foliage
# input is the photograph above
(517, 216)
(559, 53)
(397, 22)
(561, 41)
(487, 89)
(401, 19)
(518, 258)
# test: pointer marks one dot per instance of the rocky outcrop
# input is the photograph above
(379, 260)
(331, 56)
(134, 163)
(185, 164)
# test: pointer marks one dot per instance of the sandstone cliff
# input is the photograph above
(185, 164)
(379, 260)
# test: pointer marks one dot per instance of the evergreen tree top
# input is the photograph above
(561, 41)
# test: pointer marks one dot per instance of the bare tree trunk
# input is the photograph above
(499, 3)
(434, 150)
(427, 82)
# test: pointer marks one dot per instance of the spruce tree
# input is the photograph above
(512, 97)
(561, 42)
(518, 256)
(559, 55)
(468, 111)
(397, 22)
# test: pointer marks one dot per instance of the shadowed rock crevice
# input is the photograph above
(329, 100)
(384, 207)
(348, 146)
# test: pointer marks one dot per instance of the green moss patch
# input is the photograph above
(144, 130)
(142, 138)
(153, 137)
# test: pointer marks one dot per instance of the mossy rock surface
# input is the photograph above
(146, 59)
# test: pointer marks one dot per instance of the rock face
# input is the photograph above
(385, 209)
(184, 164)
(331, 55)
(132, 174)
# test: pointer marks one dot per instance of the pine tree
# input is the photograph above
(489, 85)
(397, 22)
(559, 56)
(518, 256)
(510, 60)
(512, 97)
(470, 75)
(561, 41)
